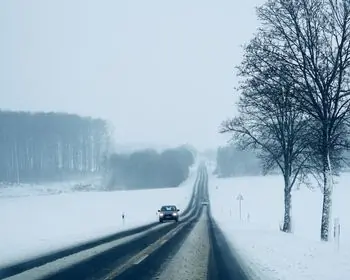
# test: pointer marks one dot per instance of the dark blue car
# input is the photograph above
(168, 213)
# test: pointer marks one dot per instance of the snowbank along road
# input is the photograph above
(194, 248)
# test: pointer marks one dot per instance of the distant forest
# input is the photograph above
(232, 161)
(150, 169)
(36, 147)
(48, 147)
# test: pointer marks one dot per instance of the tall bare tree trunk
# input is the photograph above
(287, 226)
(327, 197)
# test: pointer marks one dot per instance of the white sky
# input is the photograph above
(161, 71)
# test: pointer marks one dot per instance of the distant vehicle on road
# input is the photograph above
(168, 213)
(205, 202)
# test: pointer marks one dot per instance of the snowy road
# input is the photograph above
(192, 259)
(197, 252)
(192, 249)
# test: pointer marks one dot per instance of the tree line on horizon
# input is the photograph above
(49, 147)
(150, 169)
(39, 147)
(231, 161)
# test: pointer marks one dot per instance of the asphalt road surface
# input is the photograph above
(192, 259)
(193, 249)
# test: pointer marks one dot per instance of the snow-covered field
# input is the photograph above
(21, 190)
(271, 253)
(33, 224)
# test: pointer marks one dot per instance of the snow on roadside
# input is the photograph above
(271, 253)
(34, 225)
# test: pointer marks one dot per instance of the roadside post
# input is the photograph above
(123, 217)
(336, 231)
(240, 198)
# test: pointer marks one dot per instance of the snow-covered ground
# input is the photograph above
(271, 253)
(31, 225)
(21, 190)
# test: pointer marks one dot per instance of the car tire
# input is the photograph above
(161, 221)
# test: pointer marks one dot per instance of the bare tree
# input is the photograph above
(270, 122)
(312, 37)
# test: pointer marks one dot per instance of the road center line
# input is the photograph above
(141, 256)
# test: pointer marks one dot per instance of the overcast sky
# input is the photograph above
(161, 71)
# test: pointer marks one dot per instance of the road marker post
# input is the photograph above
(336, 231)
(240, 198)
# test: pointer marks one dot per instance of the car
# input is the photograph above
(205, 203)
(168, 213)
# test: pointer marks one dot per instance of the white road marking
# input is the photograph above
(141, 259)
(144, 253)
